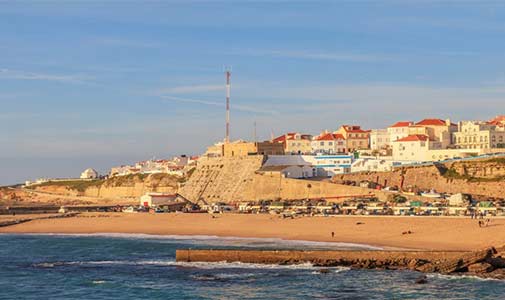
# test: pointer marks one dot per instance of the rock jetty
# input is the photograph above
(487, 263)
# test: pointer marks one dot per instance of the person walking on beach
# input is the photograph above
(332, 234)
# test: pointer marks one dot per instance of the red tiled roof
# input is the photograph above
(289, 136)
(414, 138)
(279, 139)
(329, 137)
(354, 129)
(402, 124)
(499, 120)
(433, 122)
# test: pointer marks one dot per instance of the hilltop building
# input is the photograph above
(331, 165)
(89, 174)
(295, 143)
(399, 130)
(479, 135)
(242, 148)
(328, 143)
(413, 147)
(288, 171)
(356, 138)
(380, 139)
(436, 129)
(499, 121)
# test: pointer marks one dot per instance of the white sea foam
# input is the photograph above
(461, 277)
(332, 270)
(196, 265)
(225, 241)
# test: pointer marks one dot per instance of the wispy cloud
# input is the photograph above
(22, 75)
(191, 89)
(314, 55)
(238, 107)
(122, 42)
(17, 115)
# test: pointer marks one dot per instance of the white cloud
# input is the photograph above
(315, 55)
(188, 89)
(22, 75)
(238, 107)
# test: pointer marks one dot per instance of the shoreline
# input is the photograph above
(428, 233)
(276, 242)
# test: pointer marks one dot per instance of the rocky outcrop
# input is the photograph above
(478, 178)
(478, 263)
(120, 187)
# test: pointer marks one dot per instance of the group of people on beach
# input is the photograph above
(484, 224)
(480, 216)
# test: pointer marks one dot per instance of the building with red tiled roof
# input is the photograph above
(356, 137)
(498, 121)
(328, 143)
(414, 138)
(402, 124)
(399, 130)
(414, 147)
(295, 143)
(436, 129)
(432, 122)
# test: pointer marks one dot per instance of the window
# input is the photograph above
(321, 143)
(330, 143)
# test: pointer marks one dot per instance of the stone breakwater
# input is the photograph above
(487, 263)
(16, 221)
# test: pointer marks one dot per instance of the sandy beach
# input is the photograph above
(428, 233)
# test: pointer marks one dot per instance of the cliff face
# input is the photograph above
(222, 179)
(479, 178)
(235, 180)
(130, 186)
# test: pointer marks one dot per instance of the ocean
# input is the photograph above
(118, 266)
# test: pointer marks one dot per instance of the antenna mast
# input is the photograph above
(228, 75)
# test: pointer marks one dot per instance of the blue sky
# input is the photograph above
(89, 84)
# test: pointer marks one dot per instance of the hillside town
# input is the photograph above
(351, 148)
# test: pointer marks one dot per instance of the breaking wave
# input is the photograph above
(196, 265)
(212, 240)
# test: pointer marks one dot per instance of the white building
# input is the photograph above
(89, 174)
(156, 199)
(321, 165)
(399, 130)
(479, 135)
(330, 165)
(379, 139)
(328, 143)
(293, 171)
(413, 148)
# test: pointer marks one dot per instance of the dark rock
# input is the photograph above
(497, 262)
(480, 268)
(422, 280)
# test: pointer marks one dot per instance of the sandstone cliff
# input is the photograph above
(480, 178)
(121, 187)
(235, 180)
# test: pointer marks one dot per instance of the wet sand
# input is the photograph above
(427, 233)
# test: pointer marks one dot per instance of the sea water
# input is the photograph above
(118, 266)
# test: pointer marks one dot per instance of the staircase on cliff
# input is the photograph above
(221, 179)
